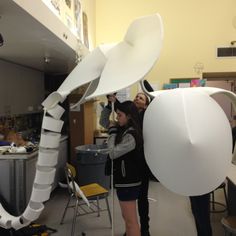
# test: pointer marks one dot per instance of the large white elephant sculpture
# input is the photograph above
(187, 137)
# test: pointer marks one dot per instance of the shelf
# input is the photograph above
(31, 33)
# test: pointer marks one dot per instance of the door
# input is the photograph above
(221, 99)
(81, 127)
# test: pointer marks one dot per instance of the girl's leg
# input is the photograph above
(129, 213)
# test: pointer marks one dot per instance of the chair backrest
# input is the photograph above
(73, 187)
(72, 169)
(70, 174)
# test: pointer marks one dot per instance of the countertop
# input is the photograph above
(19, 156)
(22, 156)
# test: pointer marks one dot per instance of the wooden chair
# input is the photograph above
(89, 195)
(229, 225)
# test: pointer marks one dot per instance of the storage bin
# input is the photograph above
(90, 164)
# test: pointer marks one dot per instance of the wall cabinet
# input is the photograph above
(21, 90)
(35, 37)
(48, 19)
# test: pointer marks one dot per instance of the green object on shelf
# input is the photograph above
(183, 80)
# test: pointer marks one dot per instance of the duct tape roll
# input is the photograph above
(47, 157)
(56, 111)
(40, 193)
(44, 175)
(33, 211)
(50, 140)
(52, 124)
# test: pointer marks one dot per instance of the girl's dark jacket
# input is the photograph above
(126, 158)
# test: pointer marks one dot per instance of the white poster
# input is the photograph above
(123, 95)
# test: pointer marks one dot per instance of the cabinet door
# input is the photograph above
(25, 169)
(88, 123)
(76, 132)
(7, 184)
(81, 127)
(62, 159)
(49, 20)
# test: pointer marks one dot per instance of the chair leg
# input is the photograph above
(65, 210)
(226, 199)
(226, 233)
(213, 200)
(98, 206)
(108, 209)
(74, 217)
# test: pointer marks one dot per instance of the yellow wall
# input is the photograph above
(192, 31)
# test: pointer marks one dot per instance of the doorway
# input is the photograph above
(227, 81)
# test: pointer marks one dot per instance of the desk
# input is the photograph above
(17, 173)
(16, 179)
(231, 177)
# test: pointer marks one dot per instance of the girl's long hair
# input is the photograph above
(129, 108)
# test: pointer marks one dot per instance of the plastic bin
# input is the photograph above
(90, 164)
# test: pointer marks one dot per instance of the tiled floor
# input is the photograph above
(170, 215)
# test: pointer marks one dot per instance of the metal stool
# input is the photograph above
(213, 203)
(229, 225)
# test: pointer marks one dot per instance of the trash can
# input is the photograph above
(90, 164)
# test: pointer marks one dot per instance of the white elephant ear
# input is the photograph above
(133, 58)
(188, 140)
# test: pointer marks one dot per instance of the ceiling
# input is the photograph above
(29, 43)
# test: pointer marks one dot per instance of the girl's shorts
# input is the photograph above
(128, 194)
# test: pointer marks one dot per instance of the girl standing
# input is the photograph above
(125, 144)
